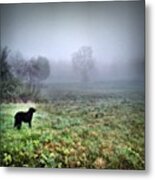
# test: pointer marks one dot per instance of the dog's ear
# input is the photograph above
(34, 110)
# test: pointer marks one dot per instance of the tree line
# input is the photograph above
(21, 80)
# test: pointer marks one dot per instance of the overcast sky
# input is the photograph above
(115, 30)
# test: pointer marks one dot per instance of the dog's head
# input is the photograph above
(32, 110)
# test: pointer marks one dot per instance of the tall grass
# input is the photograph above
(98, 131)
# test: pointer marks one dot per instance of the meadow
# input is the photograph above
(76, 127)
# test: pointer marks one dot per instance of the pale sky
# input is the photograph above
(115, 30)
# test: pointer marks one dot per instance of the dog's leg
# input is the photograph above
(19, 126)
(30, 125)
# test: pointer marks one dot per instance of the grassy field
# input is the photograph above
(88, 129)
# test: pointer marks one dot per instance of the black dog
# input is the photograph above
(23, 117)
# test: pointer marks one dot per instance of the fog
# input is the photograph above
(113, 30)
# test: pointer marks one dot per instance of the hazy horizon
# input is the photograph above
(114, 31)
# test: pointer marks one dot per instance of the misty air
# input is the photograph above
(75, 72)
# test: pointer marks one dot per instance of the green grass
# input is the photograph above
(96, 131)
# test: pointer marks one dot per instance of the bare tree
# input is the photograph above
(18, 66)
(83, 62)
(43, 68)
(38, 70)
(31, 73)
